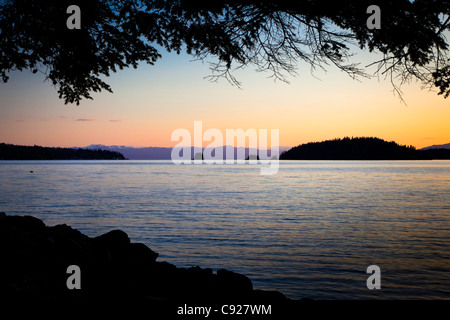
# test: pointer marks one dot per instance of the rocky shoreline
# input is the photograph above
(118, 276)
(35, 258)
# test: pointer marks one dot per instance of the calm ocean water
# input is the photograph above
(309, 231)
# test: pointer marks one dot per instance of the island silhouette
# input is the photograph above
(252, 157)
(361, 148)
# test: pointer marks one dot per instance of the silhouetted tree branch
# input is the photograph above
(272, 36)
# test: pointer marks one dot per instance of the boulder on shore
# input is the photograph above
(35, 258)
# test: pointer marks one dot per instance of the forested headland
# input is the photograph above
(15, 152)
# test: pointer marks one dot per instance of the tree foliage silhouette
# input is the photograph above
(270, 35)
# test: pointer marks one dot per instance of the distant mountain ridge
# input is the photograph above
(437, 146)
(362, 148)
(136, 153)
(164, 153)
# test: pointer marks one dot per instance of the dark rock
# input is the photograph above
(230, 281)
(141, 253)
(270, 296)
(114, 238)
(35, 259)
(25, 223)
(66, 234)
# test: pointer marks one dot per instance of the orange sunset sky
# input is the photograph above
(149, 103)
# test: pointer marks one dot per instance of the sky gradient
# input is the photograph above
(149, 103)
